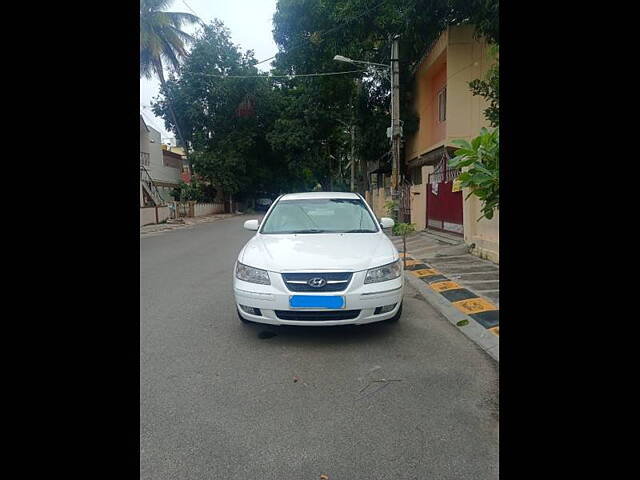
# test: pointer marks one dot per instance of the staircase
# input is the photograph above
(149, 187)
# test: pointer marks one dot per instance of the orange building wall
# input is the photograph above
(430, 78)
(438, 129)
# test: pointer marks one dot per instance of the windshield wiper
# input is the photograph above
(309, 230)
(358, 230)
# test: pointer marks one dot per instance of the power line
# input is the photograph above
(189, 7)
(322, 74)
(266, 60)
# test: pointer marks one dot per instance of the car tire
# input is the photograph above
(396, 317)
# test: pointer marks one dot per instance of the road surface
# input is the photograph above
(222, 400)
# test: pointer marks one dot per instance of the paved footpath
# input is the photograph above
(414, 400)
(450, 277)
(185, 222)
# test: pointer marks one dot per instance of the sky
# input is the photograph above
(250, 25)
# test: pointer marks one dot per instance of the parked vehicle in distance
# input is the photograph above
(320, 259)
(263, 203)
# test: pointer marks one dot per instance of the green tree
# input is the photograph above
(195, 191)
(225, 118)
(404, 229)
(310, 33)
(481, 160)
(162, 42)
(295, 133)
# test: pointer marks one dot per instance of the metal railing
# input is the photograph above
(152, 189)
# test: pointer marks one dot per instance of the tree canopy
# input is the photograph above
(162, 41)
(282, 134)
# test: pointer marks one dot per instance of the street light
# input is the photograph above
(394, 76)
(340, 58)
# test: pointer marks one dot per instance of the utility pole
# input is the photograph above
(358, 82)
(395, 119)
(353, 158)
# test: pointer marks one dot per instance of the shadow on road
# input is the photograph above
(341, 334)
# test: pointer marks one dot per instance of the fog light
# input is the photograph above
(251, 310)
(385, 309)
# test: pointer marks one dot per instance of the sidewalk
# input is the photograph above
(188, 222)
(460, 285)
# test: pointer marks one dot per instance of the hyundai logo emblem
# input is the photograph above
(316, 282)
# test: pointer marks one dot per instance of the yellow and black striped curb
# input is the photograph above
(469, 303)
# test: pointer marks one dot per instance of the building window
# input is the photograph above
(442, 105)
(416, 175)
(171, 162)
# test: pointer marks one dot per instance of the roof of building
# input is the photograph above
(416, 66)
(143, 123)
(171, 154)
(308, 195)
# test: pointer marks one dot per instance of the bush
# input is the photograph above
(482, 174)
(390, 206)
(403, 229)
(195, 191)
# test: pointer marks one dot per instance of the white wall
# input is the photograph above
(157, 170)
(200, 209)
(144, 141)
(148, 215)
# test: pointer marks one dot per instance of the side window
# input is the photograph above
(416, 175)
(442, 105)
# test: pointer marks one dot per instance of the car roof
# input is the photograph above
(319, 195)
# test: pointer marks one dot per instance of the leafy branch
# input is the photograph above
(481, 169)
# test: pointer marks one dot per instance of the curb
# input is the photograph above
(442, 300)
(473, 330)
(169, 227)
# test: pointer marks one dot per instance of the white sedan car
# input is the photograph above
(319, 259)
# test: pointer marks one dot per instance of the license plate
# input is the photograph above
(316, 301)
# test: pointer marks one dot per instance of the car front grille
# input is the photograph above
(336, 281)
(317, 316)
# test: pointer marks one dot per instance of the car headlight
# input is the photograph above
(384, 273)
(253, 275)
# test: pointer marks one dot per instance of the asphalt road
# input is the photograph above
(217, 401)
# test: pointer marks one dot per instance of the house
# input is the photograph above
(172, 149)
(186, 173)
(177, 161)
(160, 171)
(447, 111)
(148, 195)
(159, 175)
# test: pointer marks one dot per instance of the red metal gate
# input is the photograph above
(444, 207)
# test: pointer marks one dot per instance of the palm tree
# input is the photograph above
(163, 42)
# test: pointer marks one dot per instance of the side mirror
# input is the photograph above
(387, 222)
(252, 224)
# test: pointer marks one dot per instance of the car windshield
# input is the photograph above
(327, 215)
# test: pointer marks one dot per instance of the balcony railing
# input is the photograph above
(144, 159)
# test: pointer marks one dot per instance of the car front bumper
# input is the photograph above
(358, 296)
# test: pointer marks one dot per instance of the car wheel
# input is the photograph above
(396, 317)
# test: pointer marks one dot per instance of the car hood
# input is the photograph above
(318, 251)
